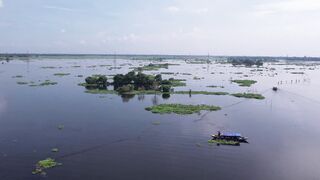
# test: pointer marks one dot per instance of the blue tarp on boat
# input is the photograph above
(231, 134)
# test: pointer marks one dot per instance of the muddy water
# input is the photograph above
(109, 137)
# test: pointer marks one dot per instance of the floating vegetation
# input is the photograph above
(196, 78)
(200, 92)
(17, 76)
(213, 86)
(289, 69)
(47, 83)
(198, 61)
(61, 74)
(246, 83)
(156, 123)
(154, 67)
(174, 82)
(187, 74)
(45, 164)
(76, 66)
(167, 73)
(104, 65)
(22, 82)
(223, 142)
(248, 95)
(297, 72)
(180, 108)
(49, 67)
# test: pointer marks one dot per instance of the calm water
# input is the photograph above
(109, 137)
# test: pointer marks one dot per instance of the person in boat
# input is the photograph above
(219, 134)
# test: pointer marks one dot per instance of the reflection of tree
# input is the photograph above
(165, 96)
(104, 87)
(141, 97)
(127, 97)
(155, 100)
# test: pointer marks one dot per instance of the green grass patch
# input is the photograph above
(17, 76)
(224, 142)
(214, 86)
(248, 95)
(246, 83)
(45, 164)
(22, 83)
(177, 82)
(200, 92)
(48, 83)
(167, 73)
(180, 108)
(154, 67)
(61, 74)
(49, 67)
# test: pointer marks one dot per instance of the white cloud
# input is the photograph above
(61, 8)
(288, 6)
(83, 42)
(200, 10)
(173, 9)
(1, 3)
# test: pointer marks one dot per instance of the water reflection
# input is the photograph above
(3, 105)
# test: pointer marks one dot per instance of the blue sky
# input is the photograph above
(218, 27)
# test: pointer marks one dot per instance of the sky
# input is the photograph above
(186, 27)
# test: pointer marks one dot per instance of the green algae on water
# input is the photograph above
(246, 83)
(180, 108)
(248, 95)
(61, 74)
(45, 164)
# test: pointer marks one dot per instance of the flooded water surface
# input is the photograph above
(106, 136)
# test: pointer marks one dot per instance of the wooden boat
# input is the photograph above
(232, 137)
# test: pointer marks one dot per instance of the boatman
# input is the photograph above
(219, 133)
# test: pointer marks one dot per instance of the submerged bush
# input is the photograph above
(138, 80)
(125, 88)
(97, 79)
(166, 88)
